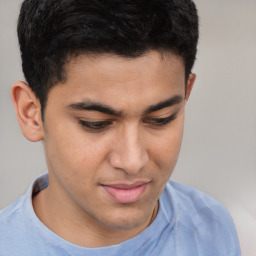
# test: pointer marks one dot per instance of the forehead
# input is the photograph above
(122, 81)
(106, 64)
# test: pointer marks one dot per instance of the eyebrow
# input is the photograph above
(163, 104)
(95, 106)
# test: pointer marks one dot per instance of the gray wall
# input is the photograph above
(219, 149)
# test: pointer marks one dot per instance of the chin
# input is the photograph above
(124, 220)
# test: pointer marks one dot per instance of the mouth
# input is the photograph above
(126, 193)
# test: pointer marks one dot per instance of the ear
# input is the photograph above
(28, 111)
(190, 83)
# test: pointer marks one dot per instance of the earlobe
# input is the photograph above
(190, 83)
(28, 111)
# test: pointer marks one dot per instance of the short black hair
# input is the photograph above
(50, 31)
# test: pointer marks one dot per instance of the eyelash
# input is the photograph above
(95, 125)
(160, 121)
(98, 126)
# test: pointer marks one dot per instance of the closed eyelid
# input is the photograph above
(166, 117)
(164, 114)
(95, 126)
(93, 119)
(161, 120)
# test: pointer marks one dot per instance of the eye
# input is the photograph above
(160, 121)
(95, 126)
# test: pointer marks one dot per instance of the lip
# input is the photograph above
(126, 193)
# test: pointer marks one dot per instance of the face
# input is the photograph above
(112, 134)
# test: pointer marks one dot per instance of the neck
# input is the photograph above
(77, 226)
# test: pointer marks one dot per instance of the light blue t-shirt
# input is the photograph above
(189, 223)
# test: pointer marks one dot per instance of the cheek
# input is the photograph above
(167, 148)
(72, 155)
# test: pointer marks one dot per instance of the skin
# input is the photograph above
(128, 147)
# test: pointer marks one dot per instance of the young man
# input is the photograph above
(107, 84)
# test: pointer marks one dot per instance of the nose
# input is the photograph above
(129, 151)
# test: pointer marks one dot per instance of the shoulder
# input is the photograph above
(20, 229)
(202, 219)
(10, 221)
(193, 199)
(10, 213)
(15, 237)
(195, 203)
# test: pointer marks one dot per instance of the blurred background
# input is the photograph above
(218, 155)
